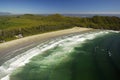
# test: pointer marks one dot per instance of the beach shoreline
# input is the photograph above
(7, 48)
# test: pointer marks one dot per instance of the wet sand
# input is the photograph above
(14, 47)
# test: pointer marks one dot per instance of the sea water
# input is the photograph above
(88, 56)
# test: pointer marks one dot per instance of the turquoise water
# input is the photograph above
(97, 59)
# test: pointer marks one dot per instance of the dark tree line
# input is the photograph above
(28, 24)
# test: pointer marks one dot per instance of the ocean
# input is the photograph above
(85, 15)
(90, 15)
(88, 56)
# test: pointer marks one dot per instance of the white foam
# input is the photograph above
(8, 67)
(113, 31)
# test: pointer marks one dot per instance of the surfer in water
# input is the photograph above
(109, 53)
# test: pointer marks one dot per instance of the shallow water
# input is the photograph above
(91, 56)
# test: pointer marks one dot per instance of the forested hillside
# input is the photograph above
(12, 27)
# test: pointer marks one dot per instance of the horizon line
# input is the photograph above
(66, 13)
(72, 13)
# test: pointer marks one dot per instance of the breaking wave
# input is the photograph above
(65, 45)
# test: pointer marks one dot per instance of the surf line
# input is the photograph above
(8, 67)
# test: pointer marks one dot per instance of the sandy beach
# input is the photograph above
(9, 47)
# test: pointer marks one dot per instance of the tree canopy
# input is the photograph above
(30, 24)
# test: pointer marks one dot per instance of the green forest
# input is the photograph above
(29, 24)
